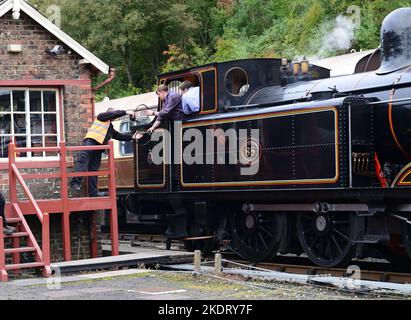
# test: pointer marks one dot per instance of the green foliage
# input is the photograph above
(144, 38)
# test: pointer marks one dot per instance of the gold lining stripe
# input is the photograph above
(215, 91)
(394, 135)
(257, 117)
(401, 176)
(154, 185)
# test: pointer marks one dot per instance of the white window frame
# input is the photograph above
(122, 143)
(27, 113)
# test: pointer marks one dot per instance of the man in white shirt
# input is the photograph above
(191, 97)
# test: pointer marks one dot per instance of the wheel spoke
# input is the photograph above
(256, 246)
(340, 233)
(266, 231)
(262, 240)
(336, 244)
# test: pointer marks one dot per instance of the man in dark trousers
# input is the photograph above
(99, 133)
(7, 230)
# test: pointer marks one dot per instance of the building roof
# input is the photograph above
(21, 5)
(344, 64)
(128, 103)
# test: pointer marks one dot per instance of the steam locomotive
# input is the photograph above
(333, 158)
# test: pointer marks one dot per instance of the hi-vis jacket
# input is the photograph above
(98, 131)
(102, 130)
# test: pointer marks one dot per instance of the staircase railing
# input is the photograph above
(42, 208)
(3, 272)
(43, 253)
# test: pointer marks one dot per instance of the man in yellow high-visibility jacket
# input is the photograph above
(99, 133)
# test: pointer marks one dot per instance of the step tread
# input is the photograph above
(13, 220)
(17, 235)
(24, 265)
(21, 249)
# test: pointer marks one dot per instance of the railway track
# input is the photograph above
(369, 270)
(365, 274)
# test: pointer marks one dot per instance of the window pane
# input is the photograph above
(4, 146)
(21, 142)
(49, 100)
(37, 142)
(19, 123)
(5, 101)
(125, 127)
(36, 124)
(19, 101)
(35, 101)
(5, 126)
(51, 142)
(50, 124)
(236, 82)
(126, 148)
(174, 86)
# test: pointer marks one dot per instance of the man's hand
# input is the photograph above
(151, 113)
(137, 135)
(151, 130)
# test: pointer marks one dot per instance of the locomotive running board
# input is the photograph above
(360, 208)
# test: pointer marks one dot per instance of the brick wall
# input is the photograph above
(34, 64)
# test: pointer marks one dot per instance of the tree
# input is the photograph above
(144, 38)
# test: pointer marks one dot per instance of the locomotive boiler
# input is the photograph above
(332, 158)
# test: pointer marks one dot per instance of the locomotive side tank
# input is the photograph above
(331, 157)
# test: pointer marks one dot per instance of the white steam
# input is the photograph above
(340, 37)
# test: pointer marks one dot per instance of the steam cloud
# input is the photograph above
(340, 38)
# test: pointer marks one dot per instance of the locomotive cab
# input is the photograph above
(227, 83)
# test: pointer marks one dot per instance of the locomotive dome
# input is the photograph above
(396, 41)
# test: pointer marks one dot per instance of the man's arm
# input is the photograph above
(174, 101)
(154, 126)
(121, 136)
(111, 115)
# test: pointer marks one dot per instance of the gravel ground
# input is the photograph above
(170, 285)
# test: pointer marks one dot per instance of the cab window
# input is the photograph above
(174, 83)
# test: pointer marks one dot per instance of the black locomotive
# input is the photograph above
(331, 160)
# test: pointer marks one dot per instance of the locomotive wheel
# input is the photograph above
(257, 236)
(406, 238)
(327, 237)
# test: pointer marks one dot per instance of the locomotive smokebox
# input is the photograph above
(396, 41)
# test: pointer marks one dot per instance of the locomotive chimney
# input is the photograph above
(395, 41)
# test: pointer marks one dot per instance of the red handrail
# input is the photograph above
(67, 203)
(27, 191)
(3, 272)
